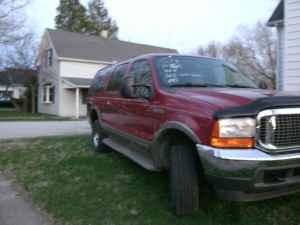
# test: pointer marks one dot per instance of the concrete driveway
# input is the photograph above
(12, 130)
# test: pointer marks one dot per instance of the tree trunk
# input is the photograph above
(33, 98)
(15, 103)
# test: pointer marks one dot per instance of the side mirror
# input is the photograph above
(143, 91)
(263, 85)
(131, 90)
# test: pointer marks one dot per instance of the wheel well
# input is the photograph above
(166, 140)
(93, 116)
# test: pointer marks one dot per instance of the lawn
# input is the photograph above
(79, 187)
(23, 116)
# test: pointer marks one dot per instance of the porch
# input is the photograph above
(73, 96)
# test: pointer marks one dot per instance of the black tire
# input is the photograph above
(184, 180)
(97, 137)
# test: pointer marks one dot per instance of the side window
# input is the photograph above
(142, 73)
(99, 81)
(116, 79)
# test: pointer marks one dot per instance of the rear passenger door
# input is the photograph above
(112, 114)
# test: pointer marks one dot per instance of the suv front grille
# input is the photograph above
(279, 129)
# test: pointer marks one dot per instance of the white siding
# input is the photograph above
(280, 47)
(291, 81)
(68, 106)
(67, 97)
(48, 75)
(78, 69)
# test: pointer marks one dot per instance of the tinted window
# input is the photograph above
(99, 81)
(115, 81)
(142, 73)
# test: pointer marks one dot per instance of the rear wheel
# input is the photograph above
(97, 137)
(184, 180)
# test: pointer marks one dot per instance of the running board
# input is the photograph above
(137, 158)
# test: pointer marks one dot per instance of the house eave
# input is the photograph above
(277, 23)
(84, 61)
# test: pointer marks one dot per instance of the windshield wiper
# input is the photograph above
(195, 85)
(239, 86)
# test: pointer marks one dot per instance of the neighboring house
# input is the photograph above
(13, 83)
(67, 63)
(286, 19)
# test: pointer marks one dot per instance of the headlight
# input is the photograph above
(240, 128)
(234, 133)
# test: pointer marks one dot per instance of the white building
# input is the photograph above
(286, 19)
(13, 83)
(68, 62)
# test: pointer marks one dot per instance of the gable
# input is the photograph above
(277, 17)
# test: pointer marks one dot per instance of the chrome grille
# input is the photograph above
(279, 129)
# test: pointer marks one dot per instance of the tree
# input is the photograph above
(72, 16)
(252, 50)
(19, 61)
(11, 21)
(101, 23)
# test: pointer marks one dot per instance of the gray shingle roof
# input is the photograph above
(278, 15)
(81, 46)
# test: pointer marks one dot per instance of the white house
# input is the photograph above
(286, 18)
(67, 63)
(13, 83)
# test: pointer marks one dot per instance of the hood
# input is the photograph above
(228, 97)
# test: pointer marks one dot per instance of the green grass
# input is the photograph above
(7, 115)
(79, 187)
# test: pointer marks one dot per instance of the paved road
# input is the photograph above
(15, 210)
(11, 130)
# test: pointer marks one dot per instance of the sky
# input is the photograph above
(183, 25)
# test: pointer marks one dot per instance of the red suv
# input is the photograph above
(201, 120)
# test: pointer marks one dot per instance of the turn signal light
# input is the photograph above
(239, 143)
(230, 142)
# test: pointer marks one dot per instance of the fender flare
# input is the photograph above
(174, 125)
(159, 151)
(91, 109)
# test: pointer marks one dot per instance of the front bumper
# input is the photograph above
(249, 175)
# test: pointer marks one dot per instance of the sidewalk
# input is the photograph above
(33, 129)
(15, 210)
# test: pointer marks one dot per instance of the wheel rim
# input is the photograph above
(96, 139)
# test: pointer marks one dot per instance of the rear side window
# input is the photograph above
(98, 83)
(116, 79)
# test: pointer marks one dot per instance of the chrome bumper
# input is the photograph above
(246, 175)
(244, 155)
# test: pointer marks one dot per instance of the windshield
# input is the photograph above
(188, 71)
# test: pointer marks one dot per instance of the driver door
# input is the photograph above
(141, 121)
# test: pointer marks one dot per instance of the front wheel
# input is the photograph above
(184, 180)
(97, 137)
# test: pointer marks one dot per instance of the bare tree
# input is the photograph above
(252, 50)
(20, 57)
(11, 21)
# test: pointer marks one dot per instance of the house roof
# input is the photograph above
(17, 76)
(277, 17)
(77, 82)
(93, 48)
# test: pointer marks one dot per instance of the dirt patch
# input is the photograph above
(11, 146)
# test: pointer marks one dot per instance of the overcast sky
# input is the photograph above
(183, 25)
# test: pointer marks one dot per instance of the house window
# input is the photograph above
(48, 93)
(49, 57)
(84, 94)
